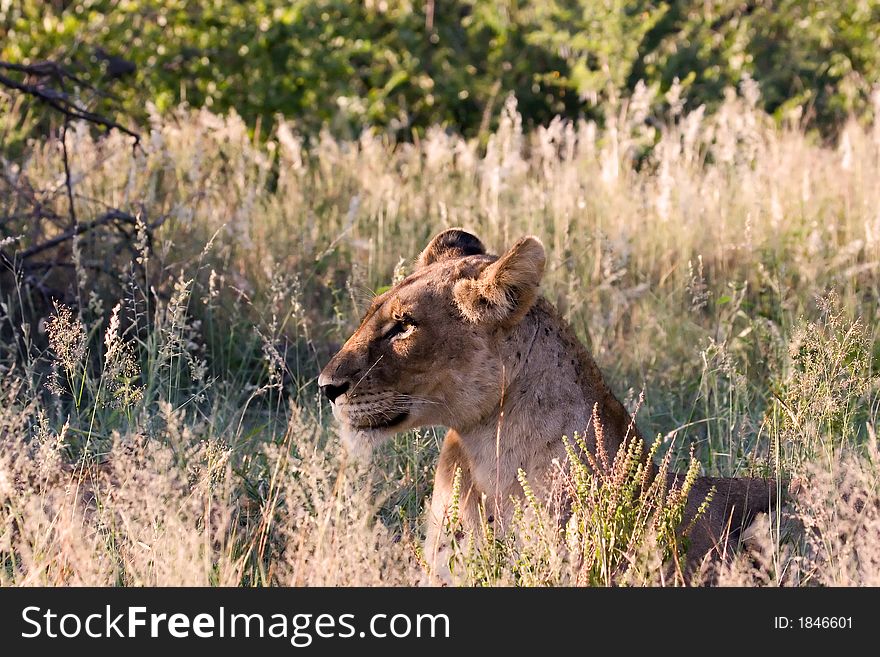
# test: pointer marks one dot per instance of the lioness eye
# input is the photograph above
(402, 328)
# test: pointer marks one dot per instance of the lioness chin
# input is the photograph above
(467, 342)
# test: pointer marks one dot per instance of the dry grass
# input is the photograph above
(731, 273)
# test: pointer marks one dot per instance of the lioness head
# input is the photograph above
(426, 350)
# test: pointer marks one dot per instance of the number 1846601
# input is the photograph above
(813, 622)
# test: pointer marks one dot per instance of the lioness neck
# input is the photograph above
(551, 384)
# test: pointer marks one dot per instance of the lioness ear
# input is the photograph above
(506, 289)
(452, 243)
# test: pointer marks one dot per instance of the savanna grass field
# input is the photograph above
(160, 420)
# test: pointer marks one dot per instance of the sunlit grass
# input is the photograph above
(168, 430)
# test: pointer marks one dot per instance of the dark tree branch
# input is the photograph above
(68, 184)
(108, 217)
(56, 99)
(46, 69)
(48, 82)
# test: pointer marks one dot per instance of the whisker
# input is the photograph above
(415, 400)
(436, 402)
(354, 387)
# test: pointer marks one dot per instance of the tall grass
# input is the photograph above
(167, 429)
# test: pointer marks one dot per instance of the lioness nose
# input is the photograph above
(332, 391)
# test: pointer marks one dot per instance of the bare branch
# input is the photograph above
(106, 218)
(48, 82)
(56, 99)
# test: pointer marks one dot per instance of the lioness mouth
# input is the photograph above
(385, 424)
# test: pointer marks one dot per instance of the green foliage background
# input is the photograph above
(403, 65)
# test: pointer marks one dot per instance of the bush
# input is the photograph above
(405, 66)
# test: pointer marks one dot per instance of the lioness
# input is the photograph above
(467, 342)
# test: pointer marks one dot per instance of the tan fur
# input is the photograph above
(467, 342)
(507, 289)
